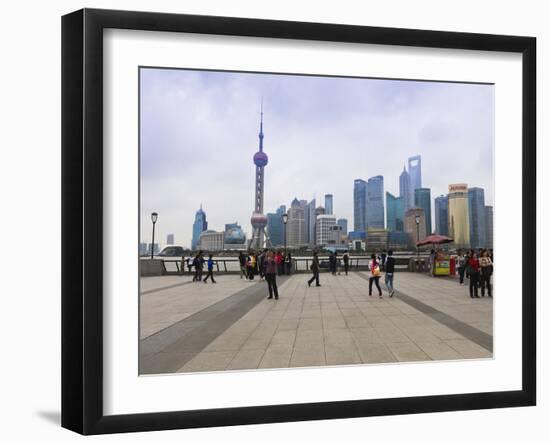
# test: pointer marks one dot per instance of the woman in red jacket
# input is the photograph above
(473, 271)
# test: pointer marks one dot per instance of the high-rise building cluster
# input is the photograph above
(461, 214)
(380, 219)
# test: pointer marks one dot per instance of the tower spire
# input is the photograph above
(261, 134)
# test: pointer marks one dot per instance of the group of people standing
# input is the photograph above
(254, 263)
(478, 268)
(197, 262)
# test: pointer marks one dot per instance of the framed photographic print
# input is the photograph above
(269, 221)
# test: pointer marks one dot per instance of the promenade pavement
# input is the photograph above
(230, 325)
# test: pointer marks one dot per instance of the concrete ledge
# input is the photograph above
(150, 268)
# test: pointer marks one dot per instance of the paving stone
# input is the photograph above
(247, 359)
(374, 352)
(407, 352)
(336, 324)
(276, 356)
(439, 350)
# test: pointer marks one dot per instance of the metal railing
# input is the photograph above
(231, 265)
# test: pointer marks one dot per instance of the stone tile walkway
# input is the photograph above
(335, 324)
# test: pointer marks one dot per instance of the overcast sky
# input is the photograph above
(199, 131)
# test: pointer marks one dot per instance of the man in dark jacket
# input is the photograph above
(346, 262)
(315, 270)
(332, 263)
(390, 268)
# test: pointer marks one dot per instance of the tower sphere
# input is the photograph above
(258, 220)
(260, 158)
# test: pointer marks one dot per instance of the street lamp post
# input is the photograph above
(285, 220)
(417, 220)
(154, 217)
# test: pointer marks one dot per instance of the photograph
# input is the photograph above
(291, 220)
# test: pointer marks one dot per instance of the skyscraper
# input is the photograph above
(319, 210)
(459, 218)
(476, 210)
(375, 202)
(275, 226)
(310, 222)
(199, 226)
(170, 239)
(296, 226)
(359, 205)
(405, 189)
(442, 215)
(328, 204)
(423, 199)
(395, 212)
(323, 228)
(415, 172)
(343, 223)
(258, 219)
(489, 226)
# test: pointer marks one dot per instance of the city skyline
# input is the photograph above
(182, 166)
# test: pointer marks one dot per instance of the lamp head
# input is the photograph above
(154, 217)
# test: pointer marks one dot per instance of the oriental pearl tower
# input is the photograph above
(260, 239)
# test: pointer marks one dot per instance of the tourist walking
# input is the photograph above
(271, 275)
(473, 271)
(374, 275)
(346, 262)
(242, 264)
(462, 261)
(486, 265)
(383, 260)
(210, 268)
(390, 268)
(315, 270)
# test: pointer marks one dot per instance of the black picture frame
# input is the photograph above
(82, 219)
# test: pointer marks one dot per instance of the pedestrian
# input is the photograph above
(374, 275)
(197, 265)
(315, 270)
(183, 264)
(473, 272)
(271, 275)
(461, 261)
(383, 260)
(332, 263)
(261, 259)
(190, 263)
(486, 265)
(250, 266)
(210, 267)
(279, 262)
(336, 263)
(242, 264)
(431, 262)
(346, 262)
(390, 268)
(288, 263)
